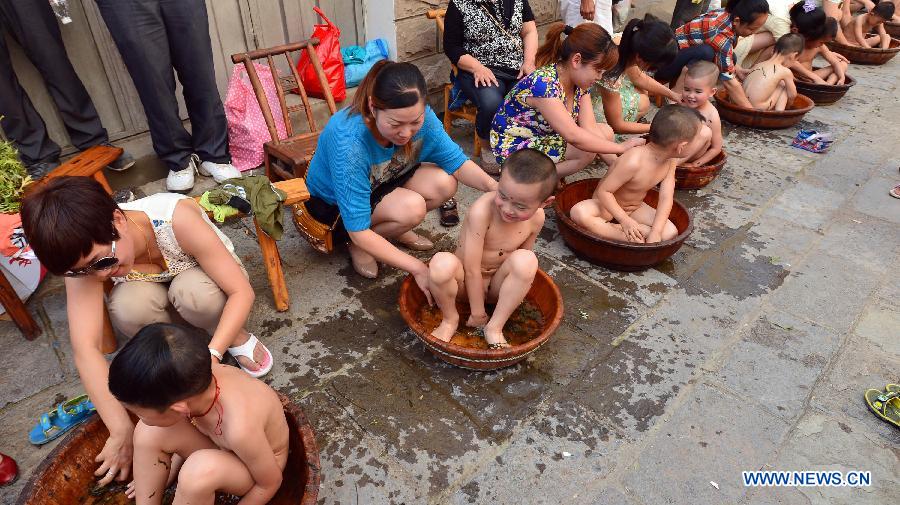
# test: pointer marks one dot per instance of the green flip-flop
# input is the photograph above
(885, 404)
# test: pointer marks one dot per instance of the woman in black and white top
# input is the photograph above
(493, 43)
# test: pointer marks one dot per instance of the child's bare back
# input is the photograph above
(766, 85)
(620, 195)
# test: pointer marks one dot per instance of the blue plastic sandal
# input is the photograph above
(67, 415)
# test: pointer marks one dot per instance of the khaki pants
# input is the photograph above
(194, 297)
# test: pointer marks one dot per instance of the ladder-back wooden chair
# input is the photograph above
(468, 110)
(289, 157)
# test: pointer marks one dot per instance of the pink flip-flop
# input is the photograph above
(895, 192)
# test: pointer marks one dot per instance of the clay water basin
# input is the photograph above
(824, 94)
(65, 477)
(763, 119)
(892, 29)
(616, 254)
(527, 330)
(697, 177)
(866, 55)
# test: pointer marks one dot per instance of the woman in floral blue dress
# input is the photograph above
(543, 110)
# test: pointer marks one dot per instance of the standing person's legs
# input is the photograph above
(570, 12)
(187, 26)
(138, 29)
(133, 305)
(36, 29)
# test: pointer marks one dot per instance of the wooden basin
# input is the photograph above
(616, 254)
(543, 294)
(824, 94)
(892, 29)
(866, 55)
(66, 475)
(763, 119)
(697, 177)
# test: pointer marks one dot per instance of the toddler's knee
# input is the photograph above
(670, 231)
(524, 262)
(442, 267)
(197, 475)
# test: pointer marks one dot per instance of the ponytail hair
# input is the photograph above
(649, 38)
(812, 23)
(747, 10)
(587, 39)
(390, 85)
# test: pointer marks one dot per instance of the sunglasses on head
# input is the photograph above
(102, 264)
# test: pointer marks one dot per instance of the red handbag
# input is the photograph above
(329, 52)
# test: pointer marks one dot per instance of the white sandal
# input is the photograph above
(246, 350)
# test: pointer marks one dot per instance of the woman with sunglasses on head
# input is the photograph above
(166, 260)
(543, 111)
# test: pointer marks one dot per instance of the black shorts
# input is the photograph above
(325, 212)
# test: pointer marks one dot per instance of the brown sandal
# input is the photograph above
(449, 213)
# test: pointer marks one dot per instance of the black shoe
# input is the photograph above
(124, 162)
(41, 168)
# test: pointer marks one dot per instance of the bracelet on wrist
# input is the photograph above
(216, 353)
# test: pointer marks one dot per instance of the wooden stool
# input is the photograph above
(88, 163)
(296, 192)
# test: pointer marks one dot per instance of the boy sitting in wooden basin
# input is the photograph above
(227, 429)
(835, 73)
(857, 31)
(495, 261)
(770, 83)
(699, 86)
(620, 195)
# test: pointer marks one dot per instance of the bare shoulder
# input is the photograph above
(537, 220)
(480, 211)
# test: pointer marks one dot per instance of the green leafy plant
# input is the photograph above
(13, 179)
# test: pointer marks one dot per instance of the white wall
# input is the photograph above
(379, 22)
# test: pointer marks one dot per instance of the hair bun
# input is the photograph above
(568, 30)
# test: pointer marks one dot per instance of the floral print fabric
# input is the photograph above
(518, 125)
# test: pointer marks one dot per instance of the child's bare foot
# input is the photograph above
(495, 339)
(445, 330)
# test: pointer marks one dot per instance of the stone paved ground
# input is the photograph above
(750, 349)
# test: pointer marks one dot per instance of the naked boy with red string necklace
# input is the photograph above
(212, 427)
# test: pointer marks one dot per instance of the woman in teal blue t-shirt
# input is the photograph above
(381, 164)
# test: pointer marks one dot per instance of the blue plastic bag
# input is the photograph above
(358, 60)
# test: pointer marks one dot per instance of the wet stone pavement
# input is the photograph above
(748, 350)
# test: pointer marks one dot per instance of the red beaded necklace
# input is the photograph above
(218, 429)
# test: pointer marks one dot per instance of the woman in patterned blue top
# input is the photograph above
(543, 110)
(381, 164)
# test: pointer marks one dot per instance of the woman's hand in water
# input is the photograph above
(115, 458)
(484, 77)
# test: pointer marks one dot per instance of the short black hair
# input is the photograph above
(530, 166)
(674, 123)
(747, 10)
(885, 10)
(163, 364)
(64, 218)
(789, 43)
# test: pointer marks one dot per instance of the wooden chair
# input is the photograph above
(289, 157)
(467, 111)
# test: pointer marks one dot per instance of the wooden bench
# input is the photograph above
(89, 163)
